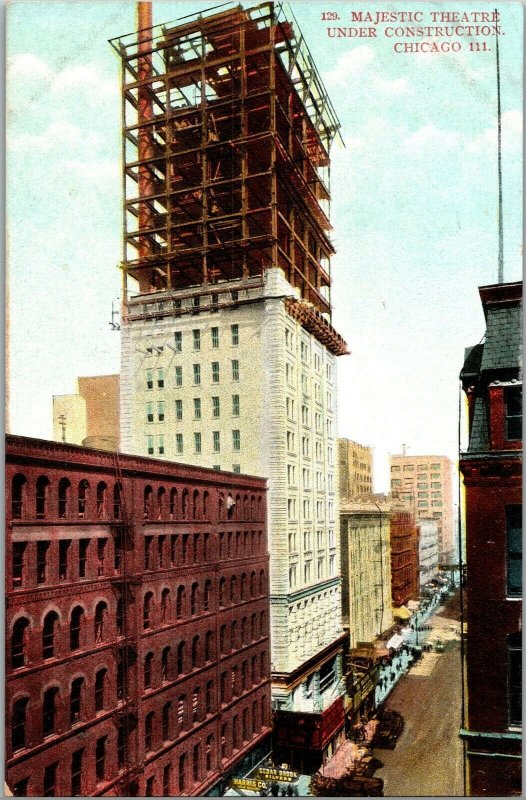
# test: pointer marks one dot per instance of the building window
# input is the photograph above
(235, 370)
(166, 721)
(215, 337)
(165, 663)
(75, 700)
(19, 641)
(234, 330)
(48, 635)
(197, 442)
(76, 773)
(75, 626)
(100, 758)
(42, 551)
(149, 412)
(160, 448)
(148, 731)
(215, 406)
(42, 495)
(147, 610)
(150, 787)
(196, 334)
(100, 614)
(49, 711)
(178, 342)
(216, 441)
(160, 378)
(148, 671)
(515, 679)
(514, 550)
(197, 374)
(160, 410)
(215, 302)
(50, 780)
(236, 440)
(215, 371)
(100, 682)
(178, 376)
(197, 408)
(235, 405)
(236, 468)
(513, 412)
(182, 773)
(150, 445)
(178, 442)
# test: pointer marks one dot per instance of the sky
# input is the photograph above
(414, 208)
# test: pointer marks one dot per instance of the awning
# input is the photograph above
(413, 605)
(395, 642)
(402, 613)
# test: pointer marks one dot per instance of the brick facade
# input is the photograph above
(404, 558)
(138, 654)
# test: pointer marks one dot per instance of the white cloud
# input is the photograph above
(396, 86)
(96, 170)
(27, 67)
(81, 77)
(429, 137)
(486, 142)
(59, 134)
(349, 65)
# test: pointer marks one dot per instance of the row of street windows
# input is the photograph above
(197, 442)
(158, 409)
(196, 374)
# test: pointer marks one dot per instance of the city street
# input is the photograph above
(427, 760)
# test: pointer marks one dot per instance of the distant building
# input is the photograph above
(91, 416)
(355, 464)
(428, 549)
(138, 649)
(492, 471)
(404, 561)
(366, 595)
(426, 482)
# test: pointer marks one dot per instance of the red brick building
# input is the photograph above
(404, 558)
(492, 471)
(137, 626)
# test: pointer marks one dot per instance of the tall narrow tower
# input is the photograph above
(228, 352)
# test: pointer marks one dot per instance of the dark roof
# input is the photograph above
(472, 361)
(502, 349)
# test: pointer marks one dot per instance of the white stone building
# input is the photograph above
(428, 549)
(224, 376)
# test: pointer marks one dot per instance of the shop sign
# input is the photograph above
(251, 784)
(276, 774)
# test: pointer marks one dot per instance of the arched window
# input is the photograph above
(222, 639)
(49, 711)
(148, 661)
(233, 635)
(101, 611)
(64, 490)
(180, 602)
(42, 497)
(18, 723)
(230, 506)
(167, 722)
(185, 504)
(48, 634)
(148, 731)
(148, 494)
(262, 582)
(75, 628)
(173, 504)
(253, 627)
(182, 712)
(147, 610)
(221, 506)
(244, 631)
(207, 595)
(243, 586)
(252, 507)
(75, 700)
(264, 711)
(195, 652)
(222, 592)
(102, 491)
(181, 658)
(119, 616)
(117, 501)
(209, 646)
(245, 507)
(161, 499)
(233, 589)
(83, 498)
(194, 599)
(165, 664)
(100, 686)
(209, 698)
(195, 505)
(205, 505)
(196, 703)
(165, 605)
(263, 623)
(18, 496)
(19, 642)
(253, 584)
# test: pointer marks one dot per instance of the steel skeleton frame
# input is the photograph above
(226, 135)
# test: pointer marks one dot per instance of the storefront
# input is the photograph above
(306, 741)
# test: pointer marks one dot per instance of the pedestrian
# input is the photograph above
(274, 788)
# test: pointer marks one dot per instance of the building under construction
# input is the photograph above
(228, 352)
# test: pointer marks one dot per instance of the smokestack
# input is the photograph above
(144, 115)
